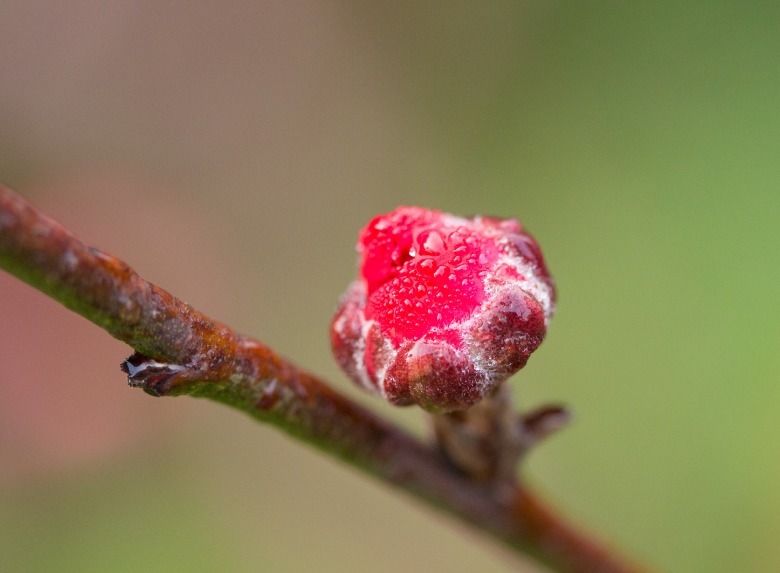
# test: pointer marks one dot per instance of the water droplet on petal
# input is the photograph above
(431, 243)
(427, 264)
(526, 246)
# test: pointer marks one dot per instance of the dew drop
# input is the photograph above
(427, 264)
(440, 272)
(431, 243)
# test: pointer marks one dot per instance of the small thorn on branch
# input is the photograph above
(541, 423)
(153, 377)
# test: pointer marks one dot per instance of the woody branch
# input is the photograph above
(180, 351)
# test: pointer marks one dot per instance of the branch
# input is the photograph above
(180, 351)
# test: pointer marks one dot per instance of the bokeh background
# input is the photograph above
(231, 151)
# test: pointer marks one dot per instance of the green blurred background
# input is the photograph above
(231, 151)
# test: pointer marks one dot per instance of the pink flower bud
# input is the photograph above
(444, 308)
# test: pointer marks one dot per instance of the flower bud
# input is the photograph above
(444, 308)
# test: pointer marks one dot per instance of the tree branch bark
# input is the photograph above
(179, 351)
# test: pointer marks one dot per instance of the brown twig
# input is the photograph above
(488, 440)
(181, 351)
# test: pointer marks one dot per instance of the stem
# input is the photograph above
(485, 441)
(488, 440)
(181, 351)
